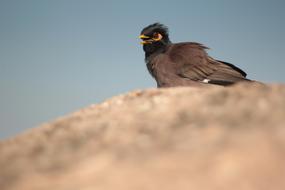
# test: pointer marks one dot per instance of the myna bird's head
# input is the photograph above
(154, 35)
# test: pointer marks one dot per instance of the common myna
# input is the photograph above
(184, 64)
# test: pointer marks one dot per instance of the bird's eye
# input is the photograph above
(157, 36)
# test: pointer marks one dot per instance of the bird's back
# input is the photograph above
(188, 62)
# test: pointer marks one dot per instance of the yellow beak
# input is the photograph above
(145, 41)
(144, 36)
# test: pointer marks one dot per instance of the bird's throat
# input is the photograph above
(155, 48)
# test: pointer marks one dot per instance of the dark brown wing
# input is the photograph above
(192, 62)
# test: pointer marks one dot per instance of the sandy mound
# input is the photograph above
(178, 138)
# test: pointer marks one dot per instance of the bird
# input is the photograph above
(184, 63)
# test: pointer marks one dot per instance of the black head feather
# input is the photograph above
(156, 27)
(156, 46)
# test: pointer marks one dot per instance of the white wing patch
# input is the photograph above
(206, 80)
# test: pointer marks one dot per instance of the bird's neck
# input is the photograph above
(155, 48)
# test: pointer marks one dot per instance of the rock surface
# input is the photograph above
(173, 139)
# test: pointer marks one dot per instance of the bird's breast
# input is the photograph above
(162, 69)
(156, 63)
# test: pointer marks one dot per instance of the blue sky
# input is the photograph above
(57, 56)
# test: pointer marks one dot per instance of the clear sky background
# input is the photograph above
(57, 56)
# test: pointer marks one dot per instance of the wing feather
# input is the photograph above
(194, 63)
